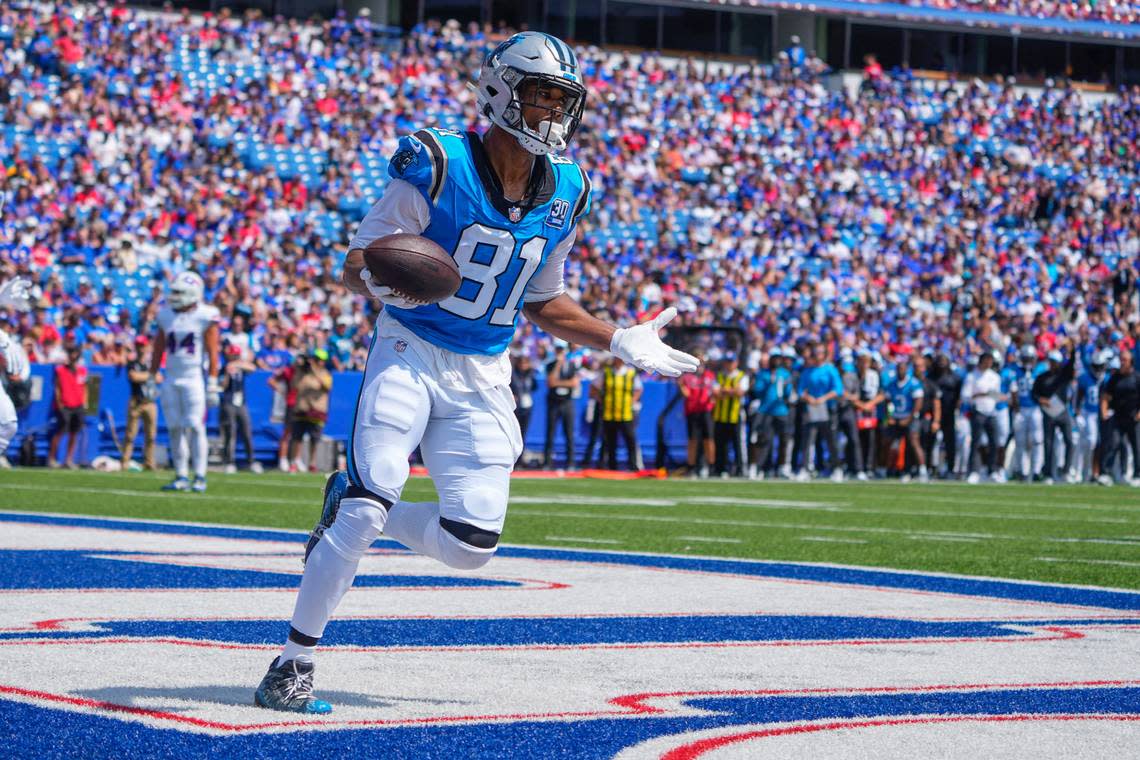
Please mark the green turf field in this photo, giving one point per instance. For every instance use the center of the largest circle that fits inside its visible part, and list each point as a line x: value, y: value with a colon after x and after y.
x: 1070, y: 534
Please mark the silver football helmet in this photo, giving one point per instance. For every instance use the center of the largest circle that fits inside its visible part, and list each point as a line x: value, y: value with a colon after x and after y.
x: 185, y: 291
x: 532, y: 58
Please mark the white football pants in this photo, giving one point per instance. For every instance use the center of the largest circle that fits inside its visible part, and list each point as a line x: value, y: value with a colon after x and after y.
x: 1088, y: 436
x: 1029, y: 441
x: 184, y: 408
x: 469, y: 440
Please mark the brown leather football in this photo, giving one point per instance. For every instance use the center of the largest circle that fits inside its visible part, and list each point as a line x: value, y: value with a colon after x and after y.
x: 414, y: 266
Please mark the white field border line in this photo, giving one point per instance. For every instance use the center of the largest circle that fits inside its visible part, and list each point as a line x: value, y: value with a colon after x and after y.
x: 1034, y: 504
x: 957, y: 539
x: 598, y: 501
x: 584, y: 540
x: 1115, y: 562
x: 187, y: 497
x: 777, y: 525
x: 781, y: 504
x: 710, y: 539
x: 831, y: 540
x: 571, y: 550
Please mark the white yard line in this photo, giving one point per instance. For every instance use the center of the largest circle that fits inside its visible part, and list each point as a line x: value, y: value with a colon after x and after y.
x: 189, y: 498
x: 599, y: 501
x: 742, y: 523
x: 829, y: 540
x: 711, y: 540
x: 1114, y: 541
x: 1035, y: 504
x: 926, y: 537
x: 730, y: 501
x: 1117, y: 562
x: 583, y: 540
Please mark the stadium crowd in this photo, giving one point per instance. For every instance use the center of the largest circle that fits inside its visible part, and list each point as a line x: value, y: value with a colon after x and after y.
x: 1110, y: 11
x: 960, y: 219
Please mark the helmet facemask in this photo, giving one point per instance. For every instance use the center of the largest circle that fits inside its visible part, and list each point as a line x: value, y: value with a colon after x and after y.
x: 511, y: 76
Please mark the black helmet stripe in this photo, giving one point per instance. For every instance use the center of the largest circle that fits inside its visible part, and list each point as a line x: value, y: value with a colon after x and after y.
x: 563, y: 52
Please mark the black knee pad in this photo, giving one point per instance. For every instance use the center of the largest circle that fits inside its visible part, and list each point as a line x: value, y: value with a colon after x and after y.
x: 359, y: 492
x: 469, y: 534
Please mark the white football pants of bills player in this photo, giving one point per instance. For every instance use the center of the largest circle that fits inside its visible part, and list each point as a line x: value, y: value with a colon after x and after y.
x: 184, y: 408
x: 1088, y: 436
x: 1029, y: 441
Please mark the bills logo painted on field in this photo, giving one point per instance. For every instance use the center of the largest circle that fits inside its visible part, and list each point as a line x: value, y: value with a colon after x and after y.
x: 559, y: 210
x: 122, y: 636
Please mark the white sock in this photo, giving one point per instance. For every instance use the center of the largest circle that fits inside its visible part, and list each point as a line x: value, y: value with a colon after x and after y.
x: 295, y: 651
x: 178, y: 451
x: 200, y: 449
x: 331, y: 568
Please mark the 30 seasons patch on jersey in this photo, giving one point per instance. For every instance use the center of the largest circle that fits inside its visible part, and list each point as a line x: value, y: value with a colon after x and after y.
x: 125, y: 636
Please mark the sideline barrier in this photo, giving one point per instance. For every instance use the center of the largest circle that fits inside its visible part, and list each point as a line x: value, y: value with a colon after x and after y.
x: 107, y: 418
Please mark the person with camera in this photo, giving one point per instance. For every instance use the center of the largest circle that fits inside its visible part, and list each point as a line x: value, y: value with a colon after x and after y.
x: 312, y: 384
x: 141, y: 407
x: 563, y: 386
x: 234, y: 412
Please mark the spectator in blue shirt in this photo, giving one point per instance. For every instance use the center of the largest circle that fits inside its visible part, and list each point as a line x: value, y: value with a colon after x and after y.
x: 276, y: 356
x: 773, y: 395
x: 819, y: 387
x: 905, y: 394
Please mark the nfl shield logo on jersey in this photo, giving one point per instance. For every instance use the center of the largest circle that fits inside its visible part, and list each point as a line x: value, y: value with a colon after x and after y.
x: 515, y: 214
x: 401, y: 346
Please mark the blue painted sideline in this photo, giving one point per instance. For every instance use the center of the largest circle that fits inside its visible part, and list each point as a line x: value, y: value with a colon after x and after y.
x: 993, y: 588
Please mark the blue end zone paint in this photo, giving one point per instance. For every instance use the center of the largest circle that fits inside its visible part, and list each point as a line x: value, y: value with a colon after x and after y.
x: 70, y: 569
x: 1117, y: 600
x: 557, y: 631
x: 32, y: 731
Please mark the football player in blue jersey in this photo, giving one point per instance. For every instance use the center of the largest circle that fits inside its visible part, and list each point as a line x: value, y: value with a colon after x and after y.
x: 1089, y: 385
x: 1028, y: 424
x: 437, y: 377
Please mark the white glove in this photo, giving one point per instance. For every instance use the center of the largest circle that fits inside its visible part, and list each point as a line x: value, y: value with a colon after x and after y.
x: 213, y: 392
x: 642, y: 347
x: 14, y: 295
x: 385, y: 294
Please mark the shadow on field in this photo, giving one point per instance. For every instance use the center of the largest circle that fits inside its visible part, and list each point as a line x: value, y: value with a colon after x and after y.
x: 183, y: 699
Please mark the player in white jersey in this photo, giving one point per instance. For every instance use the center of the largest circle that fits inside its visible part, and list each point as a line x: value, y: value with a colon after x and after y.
x: 13, y: 364
x: 188, y: 336
x: 438, y: 375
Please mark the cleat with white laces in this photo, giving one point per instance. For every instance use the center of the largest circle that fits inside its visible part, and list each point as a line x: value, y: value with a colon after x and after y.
x: 973, y: 479
x: 335, y: 487
x: 178, y: 484
x: 199, y: 485
x: 288, y: 687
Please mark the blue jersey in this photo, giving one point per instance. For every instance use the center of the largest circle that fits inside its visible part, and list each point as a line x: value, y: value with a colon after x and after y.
x: 777, y: 391
x: 1022, y: 382
x: 819, y: 381
x: 1089, y: 385
x: 903, y: 394
x: 498, y: 245
x: 1008, y: 382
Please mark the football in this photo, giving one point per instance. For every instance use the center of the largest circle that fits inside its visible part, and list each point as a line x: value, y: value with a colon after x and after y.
x: 414, y: 266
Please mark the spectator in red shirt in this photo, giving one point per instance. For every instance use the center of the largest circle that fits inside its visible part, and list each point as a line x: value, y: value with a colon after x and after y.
x: 281, y: 382
x: 70, y: 402
x: 696, y: 389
